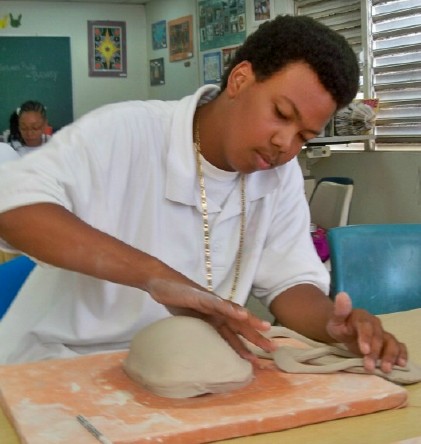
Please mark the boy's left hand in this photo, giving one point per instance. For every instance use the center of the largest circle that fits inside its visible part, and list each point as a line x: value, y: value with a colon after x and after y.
x: 363, y: 334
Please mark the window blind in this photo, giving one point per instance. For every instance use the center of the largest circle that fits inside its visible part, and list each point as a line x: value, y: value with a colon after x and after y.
x: 345, y: 18
x: 389, y: 32
x: 396, y: 49
x: 342, y: 16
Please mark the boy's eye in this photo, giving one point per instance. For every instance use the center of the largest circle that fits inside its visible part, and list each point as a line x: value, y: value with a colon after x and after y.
x: 279, y: 113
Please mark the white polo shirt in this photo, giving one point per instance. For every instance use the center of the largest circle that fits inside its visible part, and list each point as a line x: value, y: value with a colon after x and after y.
x: 129, y: 170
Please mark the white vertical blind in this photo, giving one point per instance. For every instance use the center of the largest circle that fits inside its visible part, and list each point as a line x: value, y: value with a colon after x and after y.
x: 396, y: 49
x: 391, y: 38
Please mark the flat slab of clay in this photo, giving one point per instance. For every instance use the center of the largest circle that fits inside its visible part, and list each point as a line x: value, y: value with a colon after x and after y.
x: 42, y: 400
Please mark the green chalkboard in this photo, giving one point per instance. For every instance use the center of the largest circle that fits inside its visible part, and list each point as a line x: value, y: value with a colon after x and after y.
x: 36, y: 68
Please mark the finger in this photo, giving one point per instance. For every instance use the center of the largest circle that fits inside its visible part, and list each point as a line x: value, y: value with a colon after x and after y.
x: 403, y: 355
x: 215, y: 305
x: 342, y: 308
x: 232, y: 334
x: 393, y: 353
x: 378, y: 345
x: 209, y: 303
x: 181, y: 295
x: 369, y: 344
x: 384, y: 348
x: 251, y: 334
x: 338, y: 326
x: 237, y: 344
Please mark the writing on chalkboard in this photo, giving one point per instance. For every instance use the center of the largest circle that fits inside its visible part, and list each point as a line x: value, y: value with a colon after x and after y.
x: 30, y: 71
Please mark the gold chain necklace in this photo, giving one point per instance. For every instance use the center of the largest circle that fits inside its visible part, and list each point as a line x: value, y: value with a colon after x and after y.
x: 205, y: 218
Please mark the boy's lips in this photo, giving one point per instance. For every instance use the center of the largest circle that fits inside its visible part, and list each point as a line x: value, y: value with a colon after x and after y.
x: 263, y: 163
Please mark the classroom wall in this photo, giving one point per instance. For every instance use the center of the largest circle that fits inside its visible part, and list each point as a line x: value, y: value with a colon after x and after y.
x: 184, y: 77
x: 42, y: 18
x: 70, y: 19
x: 387, y: 185
x: 181, y: 77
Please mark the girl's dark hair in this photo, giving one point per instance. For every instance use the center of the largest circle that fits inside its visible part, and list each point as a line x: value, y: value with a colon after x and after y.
x: 287, y: 39
x: 14, y: 128
x: 30, y: 105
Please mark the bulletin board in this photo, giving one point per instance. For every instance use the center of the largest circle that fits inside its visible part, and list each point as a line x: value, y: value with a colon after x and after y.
x: 36, y: 68
x: 221, y: 23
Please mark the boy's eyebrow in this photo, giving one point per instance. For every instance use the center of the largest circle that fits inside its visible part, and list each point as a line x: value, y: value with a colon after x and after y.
x: 297, y: 114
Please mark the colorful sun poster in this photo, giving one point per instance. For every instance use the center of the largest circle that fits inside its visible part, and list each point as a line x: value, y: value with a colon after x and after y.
x: 107, y: 49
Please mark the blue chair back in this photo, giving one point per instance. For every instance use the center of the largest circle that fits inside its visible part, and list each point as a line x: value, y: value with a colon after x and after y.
x: 13, y: 274
x: 379, y: 266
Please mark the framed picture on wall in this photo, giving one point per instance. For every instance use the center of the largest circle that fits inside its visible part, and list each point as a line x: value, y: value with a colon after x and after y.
x: 212, y: 67
x: 157, y: 71
x: 262, y: 10
x: 228, y: 55
x: 107, y: 49
x: 159, y: 35
x: 181, y: 38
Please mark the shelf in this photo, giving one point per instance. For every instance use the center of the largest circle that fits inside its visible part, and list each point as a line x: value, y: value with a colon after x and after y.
x: 339, y: 139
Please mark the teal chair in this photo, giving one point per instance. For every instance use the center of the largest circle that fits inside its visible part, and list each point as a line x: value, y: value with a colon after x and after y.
x: 13, y: 274
x: 379, y: 266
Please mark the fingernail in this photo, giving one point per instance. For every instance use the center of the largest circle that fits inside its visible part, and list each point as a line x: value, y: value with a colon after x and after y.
x: 365, y: 348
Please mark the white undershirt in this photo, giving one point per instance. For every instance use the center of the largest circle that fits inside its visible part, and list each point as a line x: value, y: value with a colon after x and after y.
x: 218, y: 184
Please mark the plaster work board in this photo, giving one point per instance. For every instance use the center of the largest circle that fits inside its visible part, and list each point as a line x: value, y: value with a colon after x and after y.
x: 43, y: 399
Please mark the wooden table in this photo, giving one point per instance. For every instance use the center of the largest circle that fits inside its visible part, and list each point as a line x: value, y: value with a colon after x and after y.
x: 389, y: 426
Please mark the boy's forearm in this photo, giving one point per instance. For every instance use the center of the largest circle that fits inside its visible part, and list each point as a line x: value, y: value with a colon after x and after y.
x: 53, y: 235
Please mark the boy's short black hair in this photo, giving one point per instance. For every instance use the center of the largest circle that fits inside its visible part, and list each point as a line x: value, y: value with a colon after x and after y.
x: 287, y: 39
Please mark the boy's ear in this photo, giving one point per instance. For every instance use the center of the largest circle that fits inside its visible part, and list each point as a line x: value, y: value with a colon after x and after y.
x: 240, y: 75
